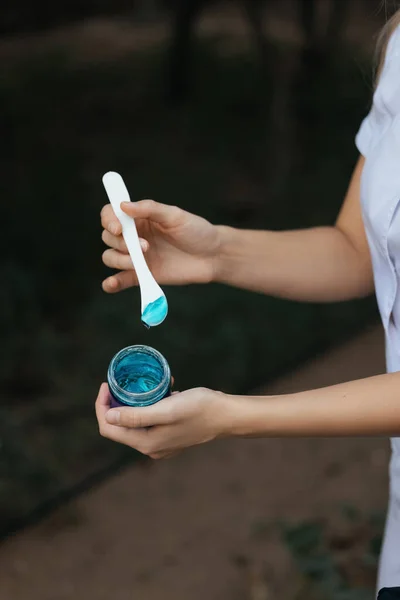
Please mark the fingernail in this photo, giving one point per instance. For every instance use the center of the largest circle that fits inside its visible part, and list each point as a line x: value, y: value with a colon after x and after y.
x: 126, y: 203
x: 113, y: 227
x: 113, y: 417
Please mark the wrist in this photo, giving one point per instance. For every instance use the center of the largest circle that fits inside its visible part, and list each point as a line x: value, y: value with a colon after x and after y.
x: 224, y: 255
x: 228, y: 414
x: 246, y: 416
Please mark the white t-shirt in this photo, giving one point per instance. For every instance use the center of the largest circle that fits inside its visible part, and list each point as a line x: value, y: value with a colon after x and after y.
x: 378, y: 140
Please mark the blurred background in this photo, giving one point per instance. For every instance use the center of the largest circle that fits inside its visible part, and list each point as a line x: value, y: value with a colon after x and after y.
x: 244, y: 112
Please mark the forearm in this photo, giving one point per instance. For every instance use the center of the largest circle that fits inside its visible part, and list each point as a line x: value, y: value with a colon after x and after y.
x: 367, y: 407
x: 312, y: 265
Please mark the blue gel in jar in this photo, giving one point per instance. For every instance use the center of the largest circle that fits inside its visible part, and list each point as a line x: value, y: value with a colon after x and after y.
x: 138, y: 376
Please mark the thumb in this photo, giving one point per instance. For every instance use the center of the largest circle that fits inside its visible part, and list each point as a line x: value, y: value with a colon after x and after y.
x: 137, y: 418
x: 166, y: 215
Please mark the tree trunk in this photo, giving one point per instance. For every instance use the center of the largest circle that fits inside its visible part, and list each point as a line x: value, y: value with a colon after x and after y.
x: 254, y: 11
x: 186, y: 13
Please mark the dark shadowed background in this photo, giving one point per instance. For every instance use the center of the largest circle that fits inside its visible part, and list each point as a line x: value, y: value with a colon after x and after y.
x: 243, y: 112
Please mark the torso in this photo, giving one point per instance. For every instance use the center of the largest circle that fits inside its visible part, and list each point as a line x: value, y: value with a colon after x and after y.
x: 380, y: 200
x: 379, y: 141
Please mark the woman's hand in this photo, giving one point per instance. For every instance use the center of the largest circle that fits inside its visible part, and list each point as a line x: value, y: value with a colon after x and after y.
x: 180, y: 247
x: 163, y: 429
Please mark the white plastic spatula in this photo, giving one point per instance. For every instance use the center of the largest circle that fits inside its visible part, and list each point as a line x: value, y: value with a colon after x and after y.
x: 154, y: 302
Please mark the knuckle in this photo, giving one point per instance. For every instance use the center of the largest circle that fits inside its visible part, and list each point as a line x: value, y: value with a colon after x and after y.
x: 129, y: 419
x: 116, y: 284
x: 121, y: 261
x: 115, y: 260
x: 133, y: 421
x: 201, y: 390
x: 176, y: 213
x: 145, y: 449
x: 105, y: 212
x: 119, y: 244
x: 106, y: 257
x: 149, y: 203
x: 172, y: 414
x: 155, y: 455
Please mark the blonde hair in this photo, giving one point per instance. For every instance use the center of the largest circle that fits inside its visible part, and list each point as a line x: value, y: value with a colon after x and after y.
x: 383, y: 41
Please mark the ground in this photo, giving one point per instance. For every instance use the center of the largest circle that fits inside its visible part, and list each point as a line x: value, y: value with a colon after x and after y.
x: 222, y: 521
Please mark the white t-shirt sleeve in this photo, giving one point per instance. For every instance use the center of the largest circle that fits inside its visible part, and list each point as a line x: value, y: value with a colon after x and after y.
x: 386, y: 100
x: 365, y: 134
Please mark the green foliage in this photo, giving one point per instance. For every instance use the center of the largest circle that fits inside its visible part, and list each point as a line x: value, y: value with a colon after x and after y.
x: 336, y: 560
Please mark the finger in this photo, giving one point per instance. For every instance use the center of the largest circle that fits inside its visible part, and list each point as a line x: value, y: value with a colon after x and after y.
x: 117, y: 260
x: 166, y: 215
x: 120, y: 281
x: 144, y: 244
x: 103, y: 400
x: 134, y: 439
x: 117, y: 242
x: 147, y: 416
x: 109, y: 221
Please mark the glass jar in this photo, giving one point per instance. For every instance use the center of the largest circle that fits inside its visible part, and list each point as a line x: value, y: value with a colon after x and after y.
x: 138, y: 376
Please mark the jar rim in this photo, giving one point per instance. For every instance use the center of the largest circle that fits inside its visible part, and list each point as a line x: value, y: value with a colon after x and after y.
x: 133, y: 397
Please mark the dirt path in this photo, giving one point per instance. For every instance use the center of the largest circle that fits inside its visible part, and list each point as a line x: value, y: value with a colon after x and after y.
x: 203, y: 526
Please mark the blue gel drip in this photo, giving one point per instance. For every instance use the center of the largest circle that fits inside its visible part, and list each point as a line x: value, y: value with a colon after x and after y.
x: 155, y: 312
x: 138, y: 373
